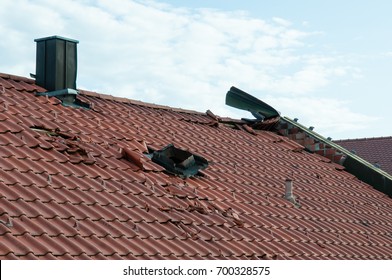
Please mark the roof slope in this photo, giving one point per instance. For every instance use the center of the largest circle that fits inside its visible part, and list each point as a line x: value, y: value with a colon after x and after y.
x: 68, y: 192
x: 376, y: 150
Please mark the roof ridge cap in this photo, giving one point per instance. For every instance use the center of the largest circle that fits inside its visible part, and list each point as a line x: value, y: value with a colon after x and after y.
x: 17, y: 78
x: 137, y: 102
x: 363, y: 139
x: 114, y: 98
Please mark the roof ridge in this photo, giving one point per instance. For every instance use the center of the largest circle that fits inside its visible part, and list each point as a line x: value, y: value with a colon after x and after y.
x: 109, y: 97
x: 17, y: 78
x: 122, y: 212
x: 137, y: 102
x: 363, y: 139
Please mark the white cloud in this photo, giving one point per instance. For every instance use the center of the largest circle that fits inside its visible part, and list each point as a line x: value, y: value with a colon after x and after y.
x: 387, y: 54
x: 180, y: 57
x: 282, y: 21
x: 329, y: 116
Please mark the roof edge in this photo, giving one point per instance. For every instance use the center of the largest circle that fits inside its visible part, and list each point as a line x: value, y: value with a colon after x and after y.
x: 17, y: 78
x: 136, y: 102
x: 108, y: 96
x: 363, y: 139
x: 354, y: 164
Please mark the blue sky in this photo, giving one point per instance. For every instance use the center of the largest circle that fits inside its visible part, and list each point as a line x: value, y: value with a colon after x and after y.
x: 327, y: 63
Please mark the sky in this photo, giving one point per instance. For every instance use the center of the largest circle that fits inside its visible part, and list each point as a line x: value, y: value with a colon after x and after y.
x: 327, y: 63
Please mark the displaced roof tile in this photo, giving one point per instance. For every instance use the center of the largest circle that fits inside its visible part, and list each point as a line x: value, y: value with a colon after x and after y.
x: 67, y: 192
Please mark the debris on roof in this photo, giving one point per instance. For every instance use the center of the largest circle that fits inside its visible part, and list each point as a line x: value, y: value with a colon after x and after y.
x: 56, y: 204
x: 241, y: 100
x: 313, y: 142
x: 343, y: 158
x: 179, y: 162
x: 266, y: 116
x: 77, y: 184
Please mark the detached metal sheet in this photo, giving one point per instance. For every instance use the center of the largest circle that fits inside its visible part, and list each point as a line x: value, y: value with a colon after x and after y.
x: 241, y: 100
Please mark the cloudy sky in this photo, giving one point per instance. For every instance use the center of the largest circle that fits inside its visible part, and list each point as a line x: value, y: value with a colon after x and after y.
x: 327, y: 63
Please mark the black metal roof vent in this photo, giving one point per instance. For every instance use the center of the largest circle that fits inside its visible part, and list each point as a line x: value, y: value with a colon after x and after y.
x: 56, y: 69
x: 56, y: 63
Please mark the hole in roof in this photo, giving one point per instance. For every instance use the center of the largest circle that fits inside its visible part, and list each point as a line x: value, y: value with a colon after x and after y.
x: 53, y: 132
x: 177, y: 161
x: 75, y: 103
x: 68, y: 144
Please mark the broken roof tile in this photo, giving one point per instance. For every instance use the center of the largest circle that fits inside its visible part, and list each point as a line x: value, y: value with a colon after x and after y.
x: 67, y: 192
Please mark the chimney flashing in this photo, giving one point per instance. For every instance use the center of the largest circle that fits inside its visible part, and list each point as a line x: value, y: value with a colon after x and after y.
x: 68, y: 98
x: 61, y: 92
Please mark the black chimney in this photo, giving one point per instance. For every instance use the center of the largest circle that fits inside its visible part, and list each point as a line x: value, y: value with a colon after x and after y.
x: 56, y: 64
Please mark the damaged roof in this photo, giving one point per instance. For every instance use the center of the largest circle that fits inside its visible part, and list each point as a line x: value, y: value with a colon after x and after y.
x: 78, y: 183
x: 377, y: 150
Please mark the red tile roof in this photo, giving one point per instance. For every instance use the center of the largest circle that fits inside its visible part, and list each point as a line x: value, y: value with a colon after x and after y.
x: 67, y: 191
x: 377, y: 151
